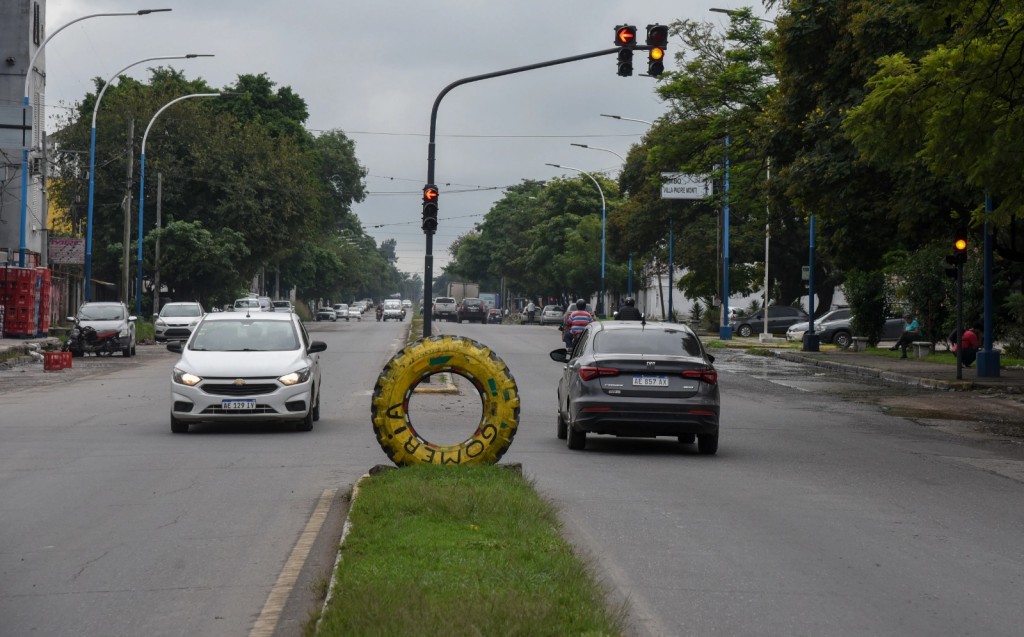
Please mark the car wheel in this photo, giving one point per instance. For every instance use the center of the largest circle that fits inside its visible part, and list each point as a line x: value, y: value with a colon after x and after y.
x: 127, y: 351
x: 561, y: 429
x: 687, y: 439
x: 575, y: 439
x: 306, y: 424
x: 316, y: 407
x: 133, y: 349
x: 842, y: 339
x: 707, y: 444
x: 178, y: 426
x: 745, y: 330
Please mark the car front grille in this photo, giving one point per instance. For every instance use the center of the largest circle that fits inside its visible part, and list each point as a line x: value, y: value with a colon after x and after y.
x: 177, y: 331
x: 231, y: 389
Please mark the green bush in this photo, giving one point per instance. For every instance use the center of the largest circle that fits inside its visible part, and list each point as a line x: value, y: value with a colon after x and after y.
x: 865, y: 292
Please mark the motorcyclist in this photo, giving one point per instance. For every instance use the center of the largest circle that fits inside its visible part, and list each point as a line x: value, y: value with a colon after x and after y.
x: 380, y: 310
x: 628, y: 311
x: 575, y: 322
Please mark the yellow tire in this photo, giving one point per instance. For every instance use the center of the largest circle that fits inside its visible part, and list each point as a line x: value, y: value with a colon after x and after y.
x: 457, y: 355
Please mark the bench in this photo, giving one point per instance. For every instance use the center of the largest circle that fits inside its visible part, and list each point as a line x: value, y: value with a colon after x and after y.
x: 923, y: 348
x: 860, y: 343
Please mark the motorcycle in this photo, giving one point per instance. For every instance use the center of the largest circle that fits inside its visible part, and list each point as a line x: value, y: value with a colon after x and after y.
x: 380, y: 313
x: 83, y: 340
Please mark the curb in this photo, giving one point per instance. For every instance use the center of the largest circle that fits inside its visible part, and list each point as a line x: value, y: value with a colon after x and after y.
x: 870, y: 372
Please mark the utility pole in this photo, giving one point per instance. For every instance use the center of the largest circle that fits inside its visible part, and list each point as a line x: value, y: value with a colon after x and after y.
x: 126, y: 243
x: 156, y: 253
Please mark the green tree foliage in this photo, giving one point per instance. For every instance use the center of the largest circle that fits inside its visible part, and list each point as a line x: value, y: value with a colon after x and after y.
x: 197, y: 263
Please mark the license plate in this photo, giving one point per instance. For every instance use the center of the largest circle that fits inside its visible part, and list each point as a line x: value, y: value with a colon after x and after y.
x: 650, y: 381
x: 238, y: 404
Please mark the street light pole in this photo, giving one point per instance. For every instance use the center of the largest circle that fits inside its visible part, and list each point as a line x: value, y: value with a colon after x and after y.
x: 25, y: 139
x: 628, y: 119
x: 725, y: 330
x: 92, y: 159
x: 600, y: 300
x: 142, y: 187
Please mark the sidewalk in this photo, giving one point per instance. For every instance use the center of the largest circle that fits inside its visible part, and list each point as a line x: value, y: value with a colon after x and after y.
x: 15, y: 351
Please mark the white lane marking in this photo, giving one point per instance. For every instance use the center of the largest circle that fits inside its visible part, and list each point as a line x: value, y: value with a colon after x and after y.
x: 271, y: 613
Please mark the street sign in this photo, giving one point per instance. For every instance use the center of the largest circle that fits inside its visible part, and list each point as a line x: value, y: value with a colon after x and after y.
x: 63, y: 250
x: 805, y: 273
x: 684, y: 186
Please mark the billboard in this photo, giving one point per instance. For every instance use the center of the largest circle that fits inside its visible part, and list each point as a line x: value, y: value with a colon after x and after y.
x: 65, y: 250
x: 684, y: 186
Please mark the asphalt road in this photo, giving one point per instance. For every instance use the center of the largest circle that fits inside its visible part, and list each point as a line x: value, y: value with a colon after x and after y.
x: 820, y: 515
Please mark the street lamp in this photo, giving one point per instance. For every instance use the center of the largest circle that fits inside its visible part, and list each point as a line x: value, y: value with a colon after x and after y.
x: 735, y: 12
x: 142, y: 186
x: 24, y: 118
x: 92, y: 159
x: 628, y: 119
x: 600, y: 300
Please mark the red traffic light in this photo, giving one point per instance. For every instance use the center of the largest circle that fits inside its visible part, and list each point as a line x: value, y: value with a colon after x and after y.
x: 625, y: 35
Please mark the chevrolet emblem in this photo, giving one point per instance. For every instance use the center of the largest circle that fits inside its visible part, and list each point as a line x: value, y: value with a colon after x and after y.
x: 239, y: 382
x: 650, y: 363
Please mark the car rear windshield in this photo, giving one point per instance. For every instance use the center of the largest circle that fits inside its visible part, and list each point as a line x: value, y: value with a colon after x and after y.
x: 472, y: 302
x: 245, y: 335
x: 444, y: 299
x: 647, y: 341
x: 180, y: 310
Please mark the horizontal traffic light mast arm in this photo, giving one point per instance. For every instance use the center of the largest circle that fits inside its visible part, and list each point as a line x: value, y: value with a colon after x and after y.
x: 512, y: 71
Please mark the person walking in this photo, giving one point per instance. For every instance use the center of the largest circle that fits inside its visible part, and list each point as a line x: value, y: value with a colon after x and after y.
x: 628, y: 311
x: 531, y: 309
x: 911, y: 332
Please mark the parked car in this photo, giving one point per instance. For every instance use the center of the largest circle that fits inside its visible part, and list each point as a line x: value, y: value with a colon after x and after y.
x: 393, y: 310
x: 104, y: 316
x: 341, y: 311
x: 326, y: 314
x: 780, y: 317
x: 177, y: 320
x: 639, y: 380
x: 240, y: 368
x: 796, y: 330
x: 552, y: 315
x: 445, y: 308
x: 472, y: 310
x: 839, y: 333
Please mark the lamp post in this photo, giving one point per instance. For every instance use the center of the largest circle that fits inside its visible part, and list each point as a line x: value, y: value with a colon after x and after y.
x: 600, y: 300
x: 24, y: 118
x: 628, y: 119
x: 725, y: 330
x: 734, y: 12
x: 92, y: 159
x: 142, y: 186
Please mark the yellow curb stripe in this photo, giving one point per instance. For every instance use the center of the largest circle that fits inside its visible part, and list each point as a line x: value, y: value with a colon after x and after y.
x: 272, y: 608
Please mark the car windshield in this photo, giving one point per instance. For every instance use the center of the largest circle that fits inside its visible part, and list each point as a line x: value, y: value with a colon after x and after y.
x: 101, y: 313
x: 393, y: 304
x: 647, y: 341
x: 245, y: 335
x: 181, y: 310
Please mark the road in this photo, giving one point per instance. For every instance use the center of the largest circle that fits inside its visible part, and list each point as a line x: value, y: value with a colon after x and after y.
x: 820, y: 515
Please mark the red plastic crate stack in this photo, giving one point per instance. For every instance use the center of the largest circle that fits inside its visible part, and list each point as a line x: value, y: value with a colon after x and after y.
x: 19, y: 294
x: 43, y: 314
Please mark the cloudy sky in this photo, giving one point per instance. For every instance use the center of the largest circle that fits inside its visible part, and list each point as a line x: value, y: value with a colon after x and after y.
x: 373, y: 69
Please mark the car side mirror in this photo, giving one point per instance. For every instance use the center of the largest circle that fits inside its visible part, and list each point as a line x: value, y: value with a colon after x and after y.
x: 316, y: 346
x: 133, y: 318
x: 560, y: 355
x: 711, y: 357
x: 174, y: 346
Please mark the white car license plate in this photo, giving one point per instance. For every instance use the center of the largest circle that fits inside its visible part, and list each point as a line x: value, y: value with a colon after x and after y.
x: 238, y: 404
x: 650, y: 381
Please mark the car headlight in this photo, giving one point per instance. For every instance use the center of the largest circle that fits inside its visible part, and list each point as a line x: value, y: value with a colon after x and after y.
x: 159, y: 322
x: 124, y: 331
x: 186, y: 378
x: 296, y: 377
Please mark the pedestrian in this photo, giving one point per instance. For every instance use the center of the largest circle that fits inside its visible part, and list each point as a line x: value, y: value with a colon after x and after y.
x: 969, y: 344
x: 628, y: 311
x: 530, y: 310
x: 911, y: 332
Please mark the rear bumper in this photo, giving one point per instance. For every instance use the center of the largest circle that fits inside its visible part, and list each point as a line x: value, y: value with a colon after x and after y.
x: 645, y: 418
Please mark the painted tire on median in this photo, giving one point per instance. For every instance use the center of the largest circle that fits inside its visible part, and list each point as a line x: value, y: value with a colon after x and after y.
x: 457, y: 355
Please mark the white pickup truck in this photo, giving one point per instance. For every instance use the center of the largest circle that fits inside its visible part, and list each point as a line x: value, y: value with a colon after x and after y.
x: 445, y: 308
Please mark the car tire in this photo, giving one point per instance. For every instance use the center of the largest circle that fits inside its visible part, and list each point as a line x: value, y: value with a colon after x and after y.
x: 306, y: 424
x: 842, y: 339
x: 316, y: 407
x: 575, y: 439
x: 707, y: 444
x: 561, y: 429
x: 133, y: 349
x: 178, y: 426
x: 687, y: 439
x: 745, y: 331
x: 126, y: 352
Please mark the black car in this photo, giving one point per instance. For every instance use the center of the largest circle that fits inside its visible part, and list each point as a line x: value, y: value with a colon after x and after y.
x: 640, y: 380
x: 780, y: 317
x: 839, y: 333
x: 473, y: 310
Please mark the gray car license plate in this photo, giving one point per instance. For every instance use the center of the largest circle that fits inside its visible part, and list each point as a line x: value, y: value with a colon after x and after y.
x: 650, y: 381
x: 238, y: 404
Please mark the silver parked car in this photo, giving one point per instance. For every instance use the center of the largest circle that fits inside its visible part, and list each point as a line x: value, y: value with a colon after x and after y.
x: 177, y: 320
x: 638, y: 379
x: 106, y: 316
x: 552, y: 315
x: 242, y: 368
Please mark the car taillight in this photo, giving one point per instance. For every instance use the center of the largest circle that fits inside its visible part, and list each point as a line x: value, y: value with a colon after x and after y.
x: 590, y: 373
x: 708, y: 376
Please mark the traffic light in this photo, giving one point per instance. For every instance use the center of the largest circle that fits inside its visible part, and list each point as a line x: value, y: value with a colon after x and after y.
x: 960, y: 245
x: 625, y: 36
x: 430, y: 196
x: 657, y: 39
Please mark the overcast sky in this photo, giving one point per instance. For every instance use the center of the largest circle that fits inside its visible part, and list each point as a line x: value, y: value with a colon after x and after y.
x: 373, y: 68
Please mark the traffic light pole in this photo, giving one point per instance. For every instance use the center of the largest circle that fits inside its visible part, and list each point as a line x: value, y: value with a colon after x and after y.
x: 428, y: 259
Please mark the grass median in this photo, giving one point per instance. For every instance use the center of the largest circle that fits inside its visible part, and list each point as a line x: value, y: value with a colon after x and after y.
x: 468, y: 550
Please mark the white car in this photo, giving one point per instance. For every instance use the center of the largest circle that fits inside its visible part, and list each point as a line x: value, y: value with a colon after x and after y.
x: 393, y: 310
x: 355, y: 313
x: 177, y: 320
x: 103, y: 316
x: 326, y: 314
x: 341, y: 311
x: 237, y: 368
